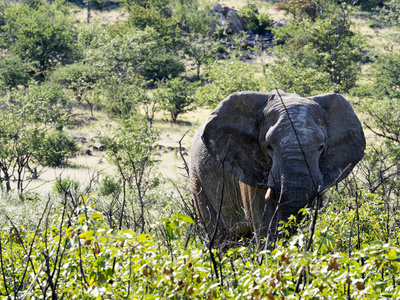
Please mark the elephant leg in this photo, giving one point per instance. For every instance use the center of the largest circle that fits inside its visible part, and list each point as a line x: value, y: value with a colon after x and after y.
x: 208, y: 214
x: 259, y: 212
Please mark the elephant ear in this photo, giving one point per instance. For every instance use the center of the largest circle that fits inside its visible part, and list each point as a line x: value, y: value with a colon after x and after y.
x: 231, y: 135
x: 345, y: 138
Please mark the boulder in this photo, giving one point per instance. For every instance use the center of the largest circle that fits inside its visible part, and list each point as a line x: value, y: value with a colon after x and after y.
x: 226, y: 17
x: 234, y: 23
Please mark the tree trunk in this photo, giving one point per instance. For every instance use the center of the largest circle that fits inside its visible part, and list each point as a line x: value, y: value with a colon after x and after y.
x: 89, y: 8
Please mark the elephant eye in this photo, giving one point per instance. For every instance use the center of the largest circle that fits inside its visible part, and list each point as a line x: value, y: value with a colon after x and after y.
x: 269, y: 148
x: 321, y: 148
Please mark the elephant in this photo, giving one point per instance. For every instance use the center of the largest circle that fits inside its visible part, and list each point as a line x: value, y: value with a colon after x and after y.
x: 261, y: 157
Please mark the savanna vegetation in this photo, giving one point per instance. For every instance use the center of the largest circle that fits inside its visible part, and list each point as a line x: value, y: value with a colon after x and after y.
x: 122, y: 84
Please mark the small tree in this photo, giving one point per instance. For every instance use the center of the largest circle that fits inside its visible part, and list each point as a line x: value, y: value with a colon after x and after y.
x: 176, y: 96
x: 335, y: 48
x: 77, y: 77
x: 131, y: 149
x: 199, y: 49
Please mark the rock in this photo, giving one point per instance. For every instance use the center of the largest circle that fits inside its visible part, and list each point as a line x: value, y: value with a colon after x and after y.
x: 216, y: 8
x: 250, y: 42
x: 80, y: 139
x: 98, y: 147
x: 234, y: 22
x: 87, y: 151
x: 227, y: 18
x: 366, y: 60
x: 280, y: 23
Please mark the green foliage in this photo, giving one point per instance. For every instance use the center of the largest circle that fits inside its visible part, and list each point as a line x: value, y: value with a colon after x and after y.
x: 121, y: 99
x: 110, y: 186
x: 199, y: 49
x: 14, y: 72
x: 291, y: 76
x: 78, y: 77
x: 192, y: 18
x: 334, y: 48
x: 162, y: 66
x: 126, y: 55
x: 253, y: 20
x: 130, y: 148
x: 64, y: 186
x: 387, y: 76
x: 44, y: 35
x: 55, y: 148
x: 99, y: 261
x: 389, y: 12
x: 93, y: 34
x: 28, y: 116
x: 176, y: 96
x: 142, y: 18
x: 227, y: 77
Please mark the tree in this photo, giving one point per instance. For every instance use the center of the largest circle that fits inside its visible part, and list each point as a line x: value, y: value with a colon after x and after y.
x: 77, y: 77
x: 44, y: 35
x: 199, y: 49
x: 335, y: 48
x: 176, y: 96
x: 131, y: 149
x: 28, y: 119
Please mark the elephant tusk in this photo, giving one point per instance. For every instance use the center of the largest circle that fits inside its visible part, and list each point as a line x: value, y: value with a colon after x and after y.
x: 269, y: 194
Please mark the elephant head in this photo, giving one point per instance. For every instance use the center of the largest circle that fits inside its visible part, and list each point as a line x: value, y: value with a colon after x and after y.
x: 280, y: 144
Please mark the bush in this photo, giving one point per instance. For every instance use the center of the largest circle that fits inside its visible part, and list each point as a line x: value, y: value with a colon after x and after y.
x: 226, y: 77
x: 387, y: 76
x: 78, y: 77
x: 110, y: 186
x: 176, y: 96
x: 162, y: 66
x: 63, y: 186
x: 55, y: 149
x: 253, y: 20
x: 305, y: 81
x: 301, y: 9
x: 333, y: 48
x: 14, y: 71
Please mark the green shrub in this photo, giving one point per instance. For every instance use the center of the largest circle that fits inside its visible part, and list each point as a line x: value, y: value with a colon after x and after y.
x: 43, y: 35
x: 55, y: 149
x: 110, y: 186
x: 176, y: 96
x: 387, y: 76
x: 63, y: 186
x: 14, y: 71
x: 222, y: 49
x: 226, y: 77
x: 253, y: 20
x: 157, y: 67
x: 305, y: 81
x: 78, y: 77
x: 332, y: 48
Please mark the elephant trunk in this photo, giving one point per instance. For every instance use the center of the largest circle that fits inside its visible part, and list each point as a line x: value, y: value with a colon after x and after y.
x: 297, y: 190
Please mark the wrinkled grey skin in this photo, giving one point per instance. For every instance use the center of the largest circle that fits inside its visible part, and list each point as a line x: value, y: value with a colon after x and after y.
x: 248, y: 145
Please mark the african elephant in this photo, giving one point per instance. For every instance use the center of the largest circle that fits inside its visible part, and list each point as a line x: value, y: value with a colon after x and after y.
x: 267, y: 155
